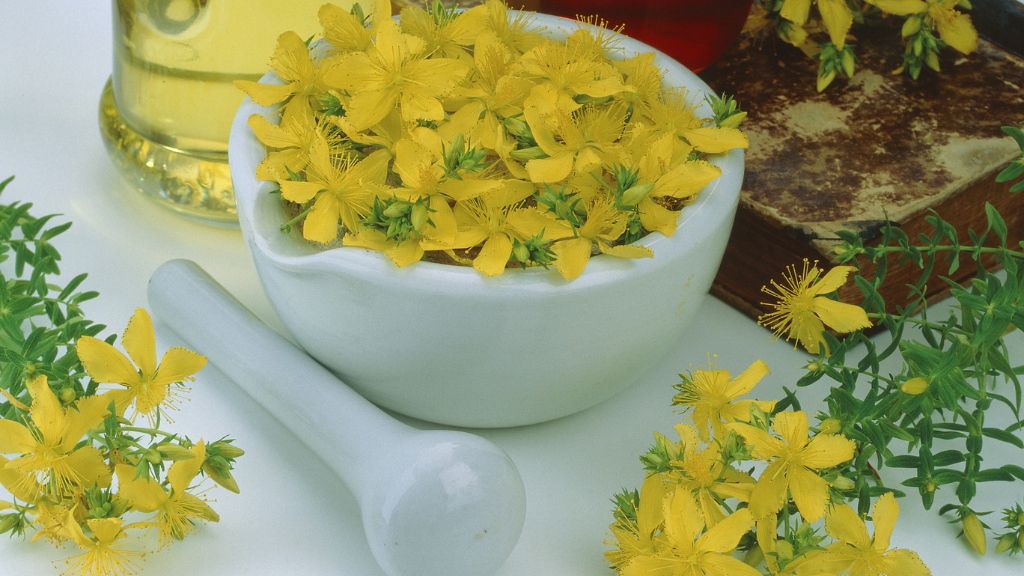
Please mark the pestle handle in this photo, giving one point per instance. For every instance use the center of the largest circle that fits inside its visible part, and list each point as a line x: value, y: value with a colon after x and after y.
x: 338, y: 424
x: 434, y: 503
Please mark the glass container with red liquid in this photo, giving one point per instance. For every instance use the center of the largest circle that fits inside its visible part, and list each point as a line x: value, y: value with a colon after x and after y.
x: 694, y: 32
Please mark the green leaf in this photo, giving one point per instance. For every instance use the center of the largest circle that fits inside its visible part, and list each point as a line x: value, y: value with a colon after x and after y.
x: 1004, y: 436
x: 996, y: 222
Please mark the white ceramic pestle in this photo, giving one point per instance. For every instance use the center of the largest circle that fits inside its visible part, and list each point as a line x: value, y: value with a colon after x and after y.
x: 434, y: 503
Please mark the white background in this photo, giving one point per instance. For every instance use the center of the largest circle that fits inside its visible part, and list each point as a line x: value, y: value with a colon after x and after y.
x: 293, y: 516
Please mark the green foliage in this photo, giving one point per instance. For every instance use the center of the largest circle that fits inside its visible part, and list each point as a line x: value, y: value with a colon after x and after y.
x: 938, y: 428
x: 40, y: 317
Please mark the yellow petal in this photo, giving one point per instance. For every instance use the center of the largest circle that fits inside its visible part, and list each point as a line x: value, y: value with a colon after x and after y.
x: 22, y: 486
x: 808, y: 330
x: 15, y: 438
x: 442, y: 228
x: 342, y: 29
x: 89, y: 466
x: 178, y: 365
x: 549, y: 170
x: 406, y: 253
x: 724, y: 536
x: 88, y: 414
x: 74, y: 532
x: 626, y: 251
x: 291, y: 59
x: 906, y: 563
x: 275, y: 166
x: 106, y: 530
x: 837, y: 18
x: 493, y: 255
x: 198, y: 508
x: 469, y: 188
x: 686, y: 179
x: 531, y: 222
x: 769, y: 493
x: 796, y: 10
x: 571, y: 256
x: 747, y: 379
x: 713, y: 140
x: 955, y: 28
x: 104, y: 363
x: 266, y: 94
x: 298, y: 191
x: 367, y: 238
x: 761, y: 443
x: 884, y: 515
x: 657, y: 218
x: 723, y: 565
x: 900, y: 7
x: 843, y: 524
x: 832, y: 280
x: 368, y: 108
x: 416, y: 107
x: 434, y: 77
x: 810, y: 493
x: 652, y: 504
x: 182, y: 472
x: 47, y: 412
x: 321, y: 225
x: 792, y: 426
x: 827, y: 450
x: 143, y: 494
x: 271, y: 134
x: 140, y: 342
x: 683, y: 520
x: 839, y: 316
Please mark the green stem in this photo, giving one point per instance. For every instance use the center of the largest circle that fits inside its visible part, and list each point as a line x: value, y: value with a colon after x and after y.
x: 937, y: 249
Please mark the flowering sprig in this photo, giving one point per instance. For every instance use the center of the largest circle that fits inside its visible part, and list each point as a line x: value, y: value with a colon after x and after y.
x: 469, y: 137
x: 78, y: 467
x: 929, y: 26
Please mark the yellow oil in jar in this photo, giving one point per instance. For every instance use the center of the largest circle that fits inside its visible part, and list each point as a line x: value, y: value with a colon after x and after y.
x: 166, y: 112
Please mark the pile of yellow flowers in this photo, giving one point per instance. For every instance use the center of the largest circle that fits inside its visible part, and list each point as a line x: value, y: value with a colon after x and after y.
x: 928, y: 27
x: 83, y: 471
x: 742, y: 479
x: 469, y: 137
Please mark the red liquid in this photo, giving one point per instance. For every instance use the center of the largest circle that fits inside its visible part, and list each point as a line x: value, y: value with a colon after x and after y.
x: 695, y: 32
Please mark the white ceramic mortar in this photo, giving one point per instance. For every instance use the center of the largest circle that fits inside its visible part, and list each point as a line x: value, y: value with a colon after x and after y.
x: 445, y: 344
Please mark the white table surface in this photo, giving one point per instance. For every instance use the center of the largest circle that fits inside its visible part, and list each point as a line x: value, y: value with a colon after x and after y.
x: 293, y: 516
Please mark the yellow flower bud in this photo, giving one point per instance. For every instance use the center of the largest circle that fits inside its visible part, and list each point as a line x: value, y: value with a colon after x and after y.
x: 825, y: 79
x: 153, y: 456
x: 175, y: 452
x: 734, y: 121
x: 1006, y: 542
x: 634, y: 195
x: 8, y: 522
x: 830, y: 426
x: 911, y: 26
x: 67, y: 395
x: 848, y: 63
x: 1020, y: 539
x: 843, y: 484
x: 418, y: 217
x: 915, y: 386
x: 931, y: 59
x: 396, y: 210
x: 974, y: 533
x: 784, y: 550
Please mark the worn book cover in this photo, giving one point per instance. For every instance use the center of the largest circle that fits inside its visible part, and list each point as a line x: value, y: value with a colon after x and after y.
x: 882, y: 147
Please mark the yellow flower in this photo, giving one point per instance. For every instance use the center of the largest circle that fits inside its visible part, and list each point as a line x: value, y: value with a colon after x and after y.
x: 394, y: 71
x: 661, y: 177
x: 603, y: 225
x: 99, y: 555
x: 495, y: 226
x: 148, y: 383
x: 575, y: 142
x: 176, y: 511
x: 692, y: 550
x: 513, y: 32
x: 447, y: 33
x: 343, y: 189
x: 835, y: 14
x: 854, y: 552
x: 802, y: 310
x: 345, y: 32
x: 793, y: 462
x: 671, y: 114
x: 703, y: 473
x: 639, y: 539
x: 713, y: 398
x: 289, y: 142
x: 49, y: 464
x: 294, y: 66
x: 955, y: 27
x: 568, y: 72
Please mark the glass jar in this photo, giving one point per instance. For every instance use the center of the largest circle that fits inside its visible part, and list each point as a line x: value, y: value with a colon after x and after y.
x: 166, y: 111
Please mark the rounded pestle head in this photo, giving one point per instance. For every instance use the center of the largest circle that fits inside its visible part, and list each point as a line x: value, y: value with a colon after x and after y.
x: 447, y: 504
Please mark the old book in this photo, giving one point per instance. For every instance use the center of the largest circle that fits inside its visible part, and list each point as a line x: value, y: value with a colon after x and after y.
x: 883, y: 147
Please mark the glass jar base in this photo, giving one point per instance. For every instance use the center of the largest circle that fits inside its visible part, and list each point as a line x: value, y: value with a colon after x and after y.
x: 195, y: 186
